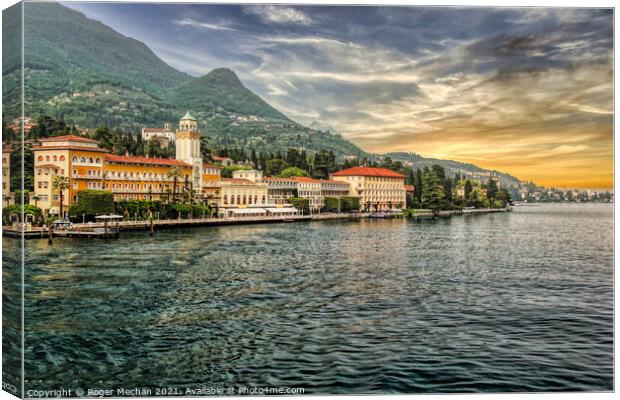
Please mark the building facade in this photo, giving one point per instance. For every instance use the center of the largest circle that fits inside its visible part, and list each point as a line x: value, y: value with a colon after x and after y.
x: 211, y: 183
x: 241, y: 193
x: 377, y: 188
x: 315, y: 190
x: 164, y: 136
x: 88, y: 166
x: 6, y: 177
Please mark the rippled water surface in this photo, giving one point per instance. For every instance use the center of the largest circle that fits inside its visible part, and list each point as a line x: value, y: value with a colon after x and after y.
x: 518, y: 301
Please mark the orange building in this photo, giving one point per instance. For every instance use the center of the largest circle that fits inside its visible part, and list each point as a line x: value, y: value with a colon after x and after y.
x: 211, y: 182
x: 88, y: 166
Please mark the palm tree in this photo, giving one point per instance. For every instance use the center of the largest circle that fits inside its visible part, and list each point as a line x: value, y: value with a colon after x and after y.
x: 175, y: 173
x: 60, y: 183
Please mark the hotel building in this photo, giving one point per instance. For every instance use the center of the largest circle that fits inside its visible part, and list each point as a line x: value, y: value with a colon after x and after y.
x: 377, y: 188
x: 88, y: 166
x: 238, y: 194
x: 315, y: 190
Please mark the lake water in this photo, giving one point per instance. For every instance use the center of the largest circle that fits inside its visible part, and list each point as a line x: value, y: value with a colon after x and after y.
x: 518, y: 301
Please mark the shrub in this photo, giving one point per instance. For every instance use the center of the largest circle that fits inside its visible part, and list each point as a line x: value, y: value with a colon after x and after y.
x: 91, y: 203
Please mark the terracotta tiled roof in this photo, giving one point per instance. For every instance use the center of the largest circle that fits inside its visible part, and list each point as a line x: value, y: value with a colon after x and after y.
x: 145, y: 160
x: 70, y: 147
x: 368, y: 171
x: 218, y: 158
x: 409, y: 188
x: 207, y: 165
x: 67, y: 138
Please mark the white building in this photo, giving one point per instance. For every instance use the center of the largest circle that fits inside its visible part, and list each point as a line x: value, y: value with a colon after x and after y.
x: 377, y: 188
x: 163, y: 135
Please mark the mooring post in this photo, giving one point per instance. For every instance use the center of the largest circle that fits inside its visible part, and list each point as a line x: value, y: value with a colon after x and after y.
x: 105, y: 229
x: 49, y: 233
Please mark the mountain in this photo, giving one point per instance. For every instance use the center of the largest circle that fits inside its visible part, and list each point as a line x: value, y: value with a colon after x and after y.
x: 84, y: 72
x: 453, y: 167
x: 221, y: 90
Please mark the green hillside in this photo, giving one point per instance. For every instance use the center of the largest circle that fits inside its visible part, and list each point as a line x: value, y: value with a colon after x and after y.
x: 85, y: 73
x: 452, y: 167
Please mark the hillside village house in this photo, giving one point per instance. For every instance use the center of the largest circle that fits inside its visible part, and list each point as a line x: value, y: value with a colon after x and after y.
x: 164, y: 136
x: 377, y: 188
x: 6, y: 176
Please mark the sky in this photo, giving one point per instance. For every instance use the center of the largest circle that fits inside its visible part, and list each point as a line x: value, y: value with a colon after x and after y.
x: 528, y: 91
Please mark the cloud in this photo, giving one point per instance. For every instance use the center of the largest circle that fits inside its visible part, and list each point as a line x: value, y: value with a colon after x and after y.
x: 279, y: 14
x: 203, y: 25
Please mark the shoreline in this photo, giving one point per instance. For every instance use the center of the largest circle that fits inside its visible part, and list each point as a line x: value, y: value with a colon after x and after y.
x: 129, y: 226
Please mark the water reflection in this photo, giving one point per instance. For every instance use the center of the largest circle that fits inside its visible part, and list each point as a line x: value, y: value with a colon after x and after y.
x: 500, y: 302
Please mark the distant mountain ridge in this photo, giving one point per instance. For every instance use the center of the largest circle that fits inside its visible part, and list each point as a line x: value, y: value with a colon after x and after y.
x: 84, y: 72
x: 452, y: 167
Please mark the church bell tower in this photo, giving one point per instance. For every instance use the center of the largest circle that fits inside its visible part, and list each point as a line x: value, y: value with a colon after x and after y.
x: 188, y: 148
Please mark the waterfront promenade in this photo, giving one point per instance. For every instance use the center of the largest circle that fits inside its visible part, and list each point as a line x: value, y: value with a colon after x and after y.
x: 94, y: 230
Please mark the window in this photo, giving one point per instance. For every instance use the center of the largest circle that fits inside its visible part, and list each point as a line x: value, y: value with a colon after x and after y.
x: 3, y: 160
x: 90, y: 160
x: 62, y: 171
x: 244, y: 200
x: 225, y: 199
x: 55, y: 158
x: 75, y: 198
x: 98, y: 160
x: 47, y: 158
x: 238, y: 199
x: 40, y: 158
x: 74, y: 159
x: 82, y: 159
x: 62, y: 158
x: 75, y: 185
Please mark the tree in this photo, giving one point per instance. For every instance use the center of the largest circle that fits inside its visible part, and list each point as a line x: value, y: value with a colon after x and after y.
x: 175, y: 173
x: 293, y: 171
x: 432, y: 192
x: 93, y: 202
x: 300, y: 203
x: 275, y: 167
x: 60, y: 183
x: 491, y: 189
x: 418, y: 185
x: 467, y: 189
x: 503, y: 197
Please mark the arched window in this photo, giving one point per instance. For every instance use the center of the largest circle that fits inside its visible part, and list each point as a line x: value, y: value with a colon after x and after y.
x: 90, y: 160
x: 225, y: 199
x: 263, y: 201
x: 62, y: 158
x: 244, y: 200
x: 250, y: 199
x: 55, y: 158
x: 232, y: 199
x: 3, y: 160
x: 98, y: 160
x: 82, y: 159
x: 47, y: 158
x: 255, y: 199
x: 40, y: 158
x: 75, y: 197
x: 74, y: 159
x: 238, y: 199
